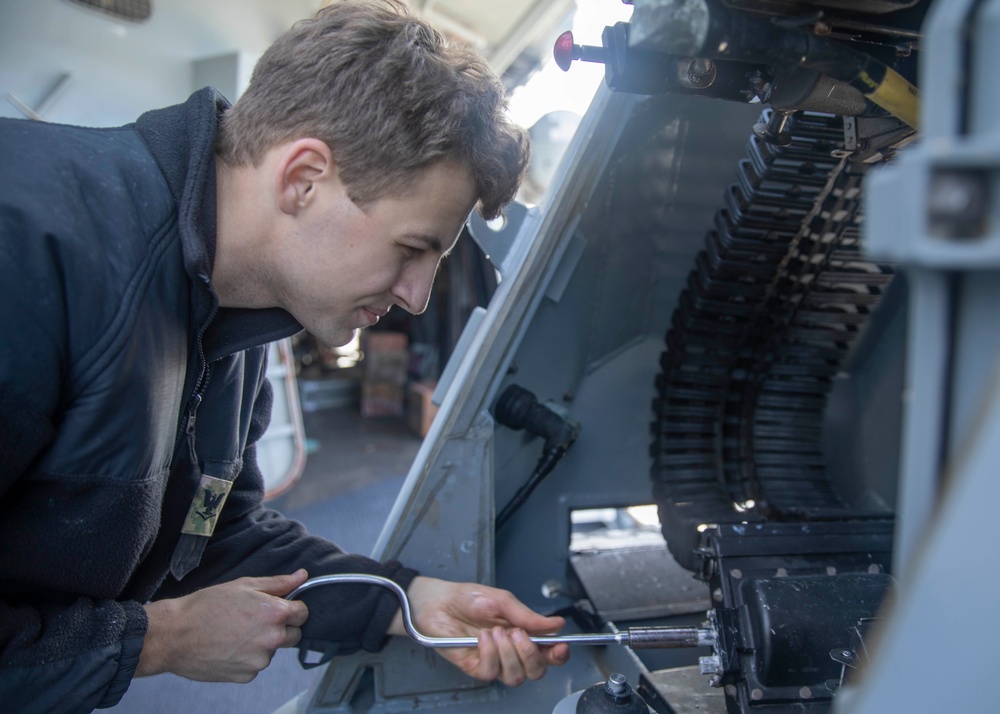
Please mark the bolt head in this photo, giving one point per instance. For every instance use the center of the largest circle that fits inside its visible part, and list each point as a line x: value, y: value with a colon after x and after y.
x: 710, y: 665
x: 616, y: 684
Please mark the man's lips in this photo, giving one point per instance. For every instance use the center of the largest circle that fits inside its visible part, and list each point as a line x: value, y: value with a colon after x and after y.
x: 373, y: 314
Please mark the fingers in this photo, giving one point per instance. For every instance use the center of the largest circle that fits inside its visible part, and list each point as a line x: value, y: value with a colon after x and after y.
x: 298, y: 613
x: 503, y: 608
x: 488, y: 668
x: 512, y: 669
x: 516, y: 614
x: 224, y: 633
x: 291, y: 613
x: 518, y: 658
x: 505, y: 651
x: 556, y: 655
x: 510, y: 657
x: 280, y: 585
x: 292, y: 636
x: 272, y: 610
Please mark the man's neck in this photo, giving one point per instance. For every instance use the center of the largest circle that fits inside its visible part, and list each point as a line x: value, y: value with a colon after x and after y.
x: 239, y: 273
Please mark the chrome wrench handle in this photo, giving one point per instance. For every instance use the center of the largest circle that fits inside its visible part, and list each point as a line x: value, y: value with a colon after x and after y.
x: 404, y: 603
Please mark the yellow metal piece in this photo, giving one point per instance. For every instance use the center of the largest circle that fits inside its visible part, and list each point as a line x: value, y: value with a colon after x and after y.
x: 895, y: 95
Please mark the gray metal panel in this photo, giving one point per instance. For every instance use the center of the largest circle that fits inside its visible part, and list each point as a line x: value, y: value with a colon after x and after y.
x: 608, y: 466
x: 931, y: 260
x: 686, y: 690
x: 949, y: 486
x: 638, y: 583
x: 936, y: 652
x: 596, y: 352
x: 861, y: 430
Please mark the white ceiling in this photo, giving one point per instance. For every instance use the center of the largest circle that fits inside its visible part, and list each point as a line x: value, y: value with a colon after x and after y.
x: 80, y: 66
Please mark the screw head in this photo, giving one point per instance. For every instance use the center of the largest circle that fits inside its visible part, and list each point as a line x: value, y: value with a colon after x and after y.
x: 696, y: 73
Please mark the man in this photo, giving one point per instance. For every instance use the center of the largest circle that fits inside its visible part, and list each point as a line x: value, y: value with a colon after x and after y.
x: 143, y: 270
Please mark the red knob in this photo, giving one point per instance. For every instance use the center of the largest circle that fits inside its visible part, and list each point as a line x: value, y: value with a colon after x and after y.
x: 562, y: 51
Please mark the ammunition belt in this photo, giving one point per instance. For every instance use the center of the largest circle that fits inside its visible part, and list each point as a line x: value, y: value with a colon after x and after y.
x: 777, y: 297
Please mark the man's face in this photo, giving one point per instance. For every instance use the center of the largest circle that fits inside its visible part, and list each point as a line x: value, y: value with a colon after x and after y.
x: 343, y: 267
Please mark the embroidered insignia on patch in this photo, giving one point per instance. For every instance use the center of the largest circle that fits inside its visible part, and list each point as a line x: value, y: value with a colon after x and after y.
x: 206, y: 505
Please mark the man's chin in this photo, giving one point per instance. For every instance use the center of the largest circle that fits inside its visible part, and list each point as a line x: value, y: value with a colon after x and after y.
x: 337, y: 338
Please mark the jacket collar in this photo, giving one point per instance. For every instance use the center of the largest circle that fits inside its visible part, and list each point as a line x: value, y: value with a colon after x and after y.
x: 181, y: 139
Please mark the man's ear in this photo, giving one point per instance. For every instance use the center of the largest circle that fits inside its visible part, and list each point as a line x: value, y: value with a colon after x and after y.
x: 302, y: 165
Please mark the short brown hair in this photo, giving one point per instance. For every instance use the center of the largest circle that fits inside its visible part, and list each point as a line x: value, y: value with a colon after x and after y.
x: 388, y: 94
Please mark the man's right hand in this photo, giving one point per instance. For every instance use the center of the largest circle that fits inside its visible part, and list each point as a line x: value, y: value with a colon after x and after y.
x: 224, y: 633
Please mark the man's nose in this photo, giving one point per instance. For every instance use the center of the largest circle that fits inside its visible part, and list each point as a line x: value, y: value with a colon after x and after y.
x: 413, y: 289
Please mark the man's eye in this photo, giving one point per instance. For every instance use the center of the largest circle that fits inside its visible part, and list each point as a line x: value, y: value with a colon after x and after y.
x: 412, y: 251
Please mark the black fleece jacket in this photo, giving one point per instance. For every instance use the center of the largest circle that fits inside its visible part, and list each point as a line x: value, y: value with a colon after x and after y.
x: 122, y: 383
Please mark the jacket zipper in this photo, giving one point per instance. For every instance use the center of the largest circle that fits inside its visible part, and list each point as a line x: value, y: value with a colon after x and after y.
x: 199, y: 388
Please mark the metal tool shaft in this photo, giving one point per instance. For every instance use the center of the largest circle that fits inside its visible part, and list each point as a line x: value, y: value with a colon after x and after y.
x: 634, y: 637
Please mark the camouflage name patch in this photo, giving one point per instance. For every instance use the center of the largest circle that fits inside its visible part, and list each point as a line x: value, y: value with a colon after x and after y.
x: 206, y: 506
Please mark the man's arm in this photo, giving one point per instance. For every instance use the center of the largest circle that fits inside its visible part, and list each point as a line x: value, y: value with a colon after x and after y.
x: 55, y: 654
